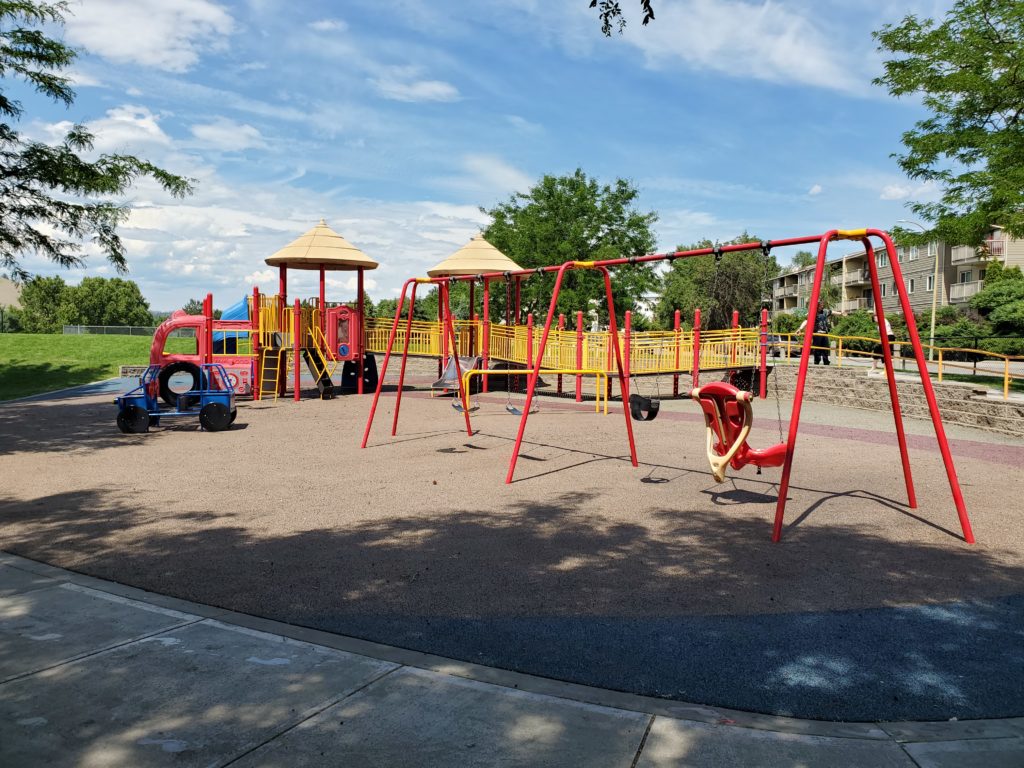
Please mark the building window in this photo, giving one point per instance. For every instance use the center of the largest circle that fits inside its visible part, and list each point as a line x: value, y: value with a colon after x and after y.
x: 913, y: 253
x: 910, y: 285
x: 931, y: 283
x: 981, y: 274
x: 966, y: 277
x: 899, y: 254
x: 883, y: 290
x: 882, y: 260
x: 895, y: 288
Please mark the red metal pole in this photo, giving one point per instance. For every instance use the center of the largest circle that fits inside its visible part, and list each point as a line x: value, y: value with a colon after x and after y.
x: 387, y: 359
x: 535, y: 371
x: 579, y: 356
x: 735, y: 336
x: 444, y: 335
x: 255, y: 318
x: 323, y: 299
x: 296, y: 343
x: 282, y: 285
x: 519, y: 299
x: 623, y: 377
x: 763, y: 389
x: 463, y: 395
x: 801, y: 379
x: 676, y: 326
x: 890, y: 371
x: 926, y: 383
x: 529, y: 340
x: 405, y: 357
x: 561, y: 327
x: 360, y: 341
x: 696, y: 348
x: 627, y: 327
x: 486, y: 341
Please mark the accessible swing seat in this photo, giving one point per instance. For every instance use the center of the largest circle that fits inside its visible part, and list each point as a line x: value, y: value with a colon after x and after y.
x: 728, y: 416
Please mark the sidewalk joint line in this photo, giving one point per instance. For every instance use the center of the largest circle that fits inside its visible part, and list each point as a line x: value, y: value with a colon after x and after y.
x: 643, y: 742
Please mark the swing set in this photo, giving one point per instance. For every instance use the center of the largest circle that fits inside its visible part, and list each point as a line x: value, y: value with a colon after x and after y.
x: 727, y: 410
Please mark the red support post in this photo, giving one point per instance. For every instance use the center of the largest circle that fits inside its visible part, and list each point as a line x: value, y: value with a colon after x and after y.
x: 579, y: 356
x: 387, y: 359
x: 255, y: 318
x: 323, y: 299
x: 405, y: 358
x: 450, y: 325
x: 361, y: 331
x: 613, y: 332
x: 529, y: 340
x: 676, y: 326
x: 296, y: 344
x: 926, y: 381
x: 444, y: 335
x: 696, y: 348
x: 519, y: 299
x: 561, y: 327
x: 486, y: 331
x: 627, y: 327
x: 735, y: 336
x: 763, y: 388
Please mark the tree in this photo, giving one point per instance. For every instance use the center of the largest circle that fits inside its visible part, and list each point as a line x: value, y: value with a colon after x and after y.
x: 52, y: 197
x: 1001, y: 303
x: 102, y: 301
x: 804, y: 259
x: 969, y: 70
x: 193, y: 307
x: 42, y: 300
x: 739, y: 280
x: 610, y: 13
x: 573, y: 218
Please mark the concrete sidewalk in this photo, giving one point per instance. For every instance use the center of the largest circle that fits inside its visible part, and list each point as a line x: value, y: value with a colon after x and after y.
x: 93, y: 673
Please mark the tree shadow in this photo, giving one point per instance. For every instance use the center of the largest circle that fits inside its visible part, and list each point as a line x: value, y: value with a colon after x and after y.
x: 692, y: 604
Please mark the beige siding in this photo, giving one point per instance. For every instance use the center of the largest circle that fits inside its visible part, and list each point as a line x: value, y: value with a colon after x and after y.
x: 8, y: 293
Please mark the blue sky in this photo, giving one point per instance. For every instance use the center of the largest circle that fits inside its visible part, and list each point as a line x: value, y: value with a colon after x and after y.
x: 396, y: 119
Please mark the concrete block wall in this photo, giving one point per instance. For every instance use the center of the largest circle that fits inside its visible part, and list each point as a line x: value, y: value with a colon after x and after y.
x: 857, y: 387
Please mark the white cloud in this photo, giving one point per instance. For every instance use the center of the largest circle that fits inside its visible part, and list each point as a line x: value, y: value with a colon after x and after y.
x: 125, y: 128
x: 487, y: 177
x: 328, y: 25
x: 228, y: 135
x: 153, y: 33
x: 524, y: 125
x: 402, y: 84
x: 815, y: 190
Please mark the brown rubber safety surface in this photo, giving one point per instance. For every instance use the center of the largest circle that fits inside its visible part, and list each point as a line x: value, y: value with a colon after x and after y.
x: 652, y: 579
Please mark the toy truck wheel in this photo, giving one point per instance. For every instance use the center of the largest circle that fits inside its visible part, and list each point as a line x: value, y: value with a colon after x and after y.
x: 215, y: 417
x: 133, y: 420
x: 169, y: 393
x: 234, y: 413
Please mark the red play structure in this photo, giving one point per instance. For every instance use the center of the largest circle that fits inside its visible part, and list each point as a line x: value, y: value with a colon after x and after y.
x: 727, y: 411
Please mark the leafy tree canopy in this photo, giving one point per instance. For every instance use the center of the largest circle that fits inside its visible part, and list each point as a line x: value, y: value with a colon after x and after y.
x: 1001, y: 301
x: 968, y: 70
x: 737, y: 280
x: 573, y: 218
x: 52, y: 197
x: 610, y: 13
x: 48, y: 304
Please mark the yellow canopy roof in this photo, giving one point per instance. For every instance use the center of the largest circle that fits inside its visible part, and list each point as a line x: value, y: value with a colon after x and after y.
x: 321, y: 247
x: 476, y: 257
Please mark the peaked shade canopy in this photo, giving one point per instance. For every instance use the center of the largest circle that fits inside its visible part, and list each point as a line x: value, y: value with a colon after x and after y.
x: 476, y: 257
x: 321, y: 248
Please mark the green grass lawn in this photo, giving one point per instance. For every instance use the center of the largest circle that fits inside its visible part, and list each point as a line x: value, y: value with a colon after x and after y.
x: 31, y: 363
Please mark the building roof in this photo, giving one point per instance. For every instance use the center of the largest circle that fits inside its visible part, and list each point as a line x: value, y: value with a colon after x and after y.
x: 321, y: 248
x: 475, y: 258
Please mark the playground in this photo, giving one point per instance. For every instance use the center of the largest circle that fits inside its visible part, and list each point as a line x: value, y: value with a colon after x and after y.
x: 652, y: 579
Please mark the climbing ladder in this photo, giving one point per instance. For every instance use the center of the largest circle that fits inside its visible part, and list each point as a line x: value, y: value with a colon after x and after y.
x: 270, y: 371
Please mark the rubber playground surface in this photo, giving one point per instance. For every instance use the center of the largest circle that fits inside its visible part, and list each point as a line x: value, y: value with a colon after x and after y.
x: 653, y: 580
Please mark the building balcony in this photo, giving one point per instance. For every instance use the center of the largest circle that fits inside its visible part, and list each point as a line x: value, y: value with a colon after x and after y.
x: 789, y: 290
x: 860, y: 277
x: 851, y: 305
x: 959, y: 292
x: 967, y: 254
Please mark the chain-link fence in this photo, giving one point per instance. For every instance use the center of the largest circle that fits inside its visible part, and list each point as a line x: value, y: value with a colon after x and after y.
x: 111, y: 330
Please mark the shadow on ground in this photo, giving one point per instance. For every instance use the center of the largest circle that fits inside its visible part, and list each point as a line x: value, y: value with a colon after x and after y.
x: 553, y: 590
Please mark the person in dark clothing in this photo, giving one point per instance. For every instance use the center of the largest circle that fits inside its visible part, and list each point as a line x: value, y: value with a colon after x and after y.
x: 820, y: 340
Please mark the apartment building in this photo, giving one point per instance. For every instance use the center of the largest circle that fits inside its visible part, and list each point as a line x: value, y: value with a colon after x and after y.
x: 961, y: 274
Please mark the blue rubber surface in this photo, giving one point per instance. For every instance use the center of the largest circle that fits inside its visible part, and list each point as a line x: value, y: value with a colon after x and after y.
x: 963, y: 660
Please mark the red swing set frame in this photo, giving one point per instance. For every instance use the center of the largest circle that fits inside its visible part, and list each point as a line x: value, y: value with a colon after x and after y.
x: 771, y: 455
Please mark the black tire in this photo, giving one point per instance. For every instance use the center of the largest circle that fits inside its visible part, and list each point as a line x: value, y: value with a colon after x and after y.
x: 215, y: 417
x: 133, y: 420
x: 169, y: 395
x: 234, y: 413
